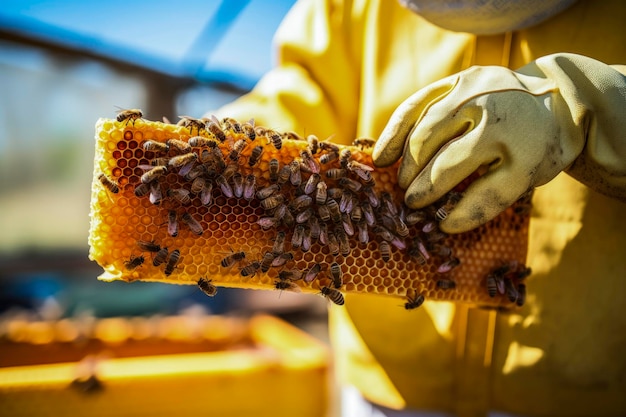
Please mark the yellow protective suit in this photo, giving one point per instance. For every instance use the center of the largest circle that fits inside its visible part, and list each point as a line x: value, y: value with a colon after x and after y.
x: 343, y: 69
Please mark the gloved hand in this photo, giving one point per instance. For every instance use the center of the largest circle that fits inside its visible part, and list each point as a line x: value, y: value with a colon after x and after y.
x: 560, y: 112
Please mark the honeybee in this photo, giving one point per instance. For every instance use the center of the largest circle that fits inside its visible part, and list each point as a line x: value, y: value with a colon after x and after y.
x: 282, y: 259
x: 279, y: 243
x: 268, y: 222
x: 297, y: 236
x: 108, y: 183
x: 311, y: 183
x: 521, y: 295
x: 363, y: 234
x: 180, y: 145
x: 356, y: 214
x: 232, y: 125
x: 206, y: 194
x: 231, y: 259
x: 511, y: 291
x: 523, y: 273
x: 249, y: 187
x: 273, y: 168
x: 344, y: 157
x: 336, y: 173
x: 441, y: 250
x: 336, y: 275
x: 418, y: 249
x: 344, y: 243
x: 415, y: 217
x: 492, y: 286
x: 346, y: 204
x: 191, y: 123
x: 215, y: 130
x: 372, y: 198
x: 388, y: 204
x: 227, y: 190
x: 385, y: 250
x: 282, y: 214
x: 172, y: 261
x: 286, y: 285
x: 328, y: 146
x: 323, y: 238
x: 414, y: 300
x: 333, y: 295
x: 364, y: 143
x: 307, y: 241
x: 156, y: 195
x: 452, y: 199
x: 160, y: 256
x: 134, y: 262
x: 313, y: 142
x: 321, y: 193
x: 192, y: 223
x: 163, y: 161
x: 448, y: 265
x: 309, y: 162
x: 238, y: 185
x: 295, y: 177
x: 238, y: 147
x: 179, y: 194
x: 153, y: 174
x: 323, y: 212
x: 283, y: 175
x: 290, y: 274
x: 368, y: 213
x: 198, y: 185
x: 346, y: 222
x: 255, y: 155
x: 272, y: 201
x: 300, y: 202
x: 207, y: 286
x: 350, y: 184
x: 248, y: 130
x: 304, y: 216
x: 333, y: 244
x: 312, y: 273
x: 361, y: 170
x: 151, y: 246
x: 314, y: 225
x: 328, y: 157
x: 291, y: 135
x: 274, y: 138
x: 266, y: 261
x: 199, y: 141
x: 335, y: 193
x: 251, y: 269
x: 429, y: 227
x: 172, y: 223
x: 126, y: 115
x: 446, y: 284
x: 217, y: 158
x: 335, y: 213
x: 185, y: 162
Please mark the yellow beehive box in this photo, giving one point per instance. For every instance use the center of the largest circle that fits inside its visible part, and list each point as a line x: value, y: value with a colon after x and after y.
x: 260, y: 367
x: 223, y: 203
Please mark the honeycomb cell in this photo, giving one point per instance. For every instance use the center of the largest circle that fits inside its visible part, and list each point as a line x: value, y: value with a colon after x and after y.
x: 120, y: 220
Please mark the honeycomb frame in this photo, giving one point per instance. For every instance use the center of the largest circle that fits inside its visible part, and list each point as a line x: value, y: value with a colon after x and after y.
x: 422, y: 262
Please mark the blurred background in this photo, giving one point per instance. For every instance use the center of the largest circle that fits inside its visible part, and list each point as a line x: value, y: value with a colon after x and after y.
x: 63, y: 65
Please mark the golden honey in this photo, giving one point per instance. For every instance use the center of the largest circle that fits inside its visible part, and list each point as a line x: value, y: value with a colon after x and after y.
x: 362, y: 225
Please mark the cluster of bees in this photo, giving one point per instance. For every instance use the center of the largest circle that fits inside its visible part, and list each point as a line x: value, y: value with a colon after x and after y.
x: 325, y: 196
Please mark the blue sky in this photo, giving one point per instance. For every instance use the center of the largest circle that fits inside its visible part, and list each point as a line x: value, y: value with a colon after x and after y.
x: 158, y: 34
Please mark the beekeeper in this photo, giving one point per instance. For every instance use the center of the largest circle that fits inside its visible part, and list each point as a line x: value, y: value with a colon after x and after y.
x: 531, y: 91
